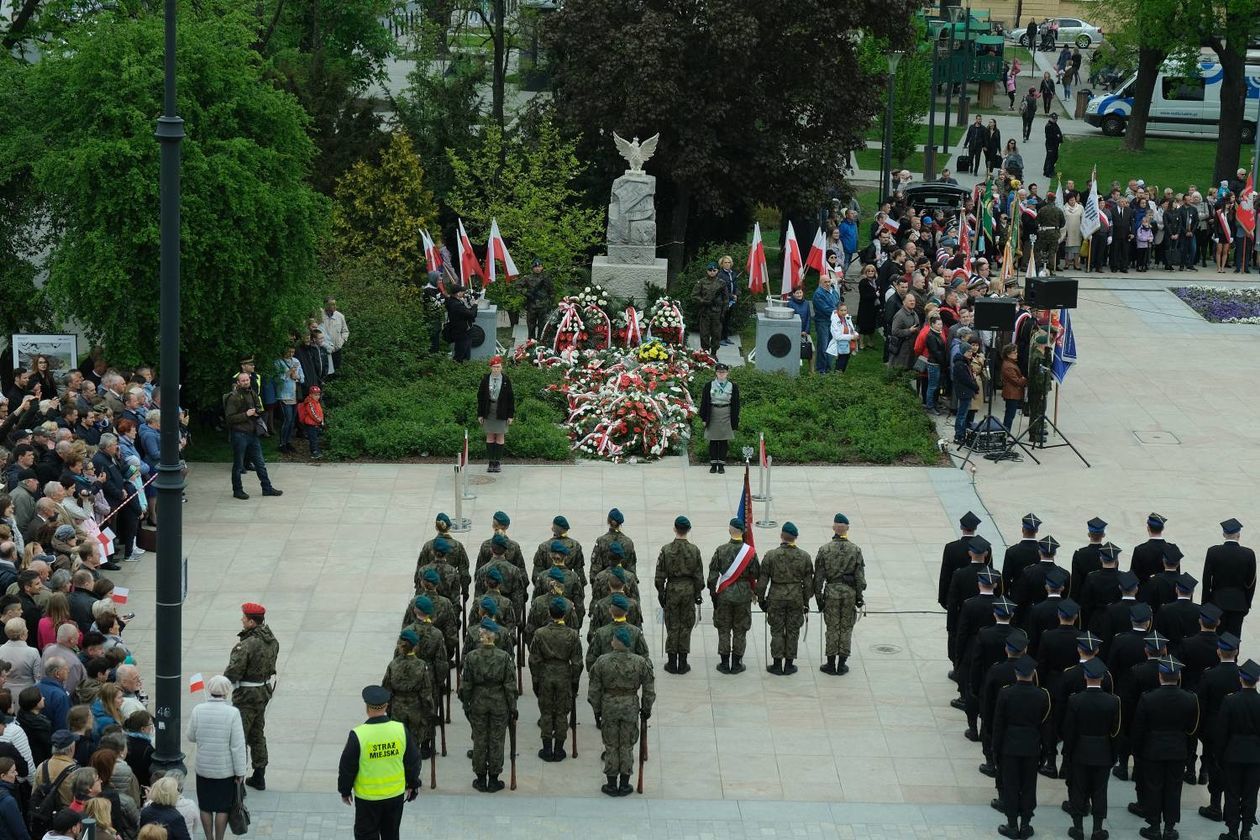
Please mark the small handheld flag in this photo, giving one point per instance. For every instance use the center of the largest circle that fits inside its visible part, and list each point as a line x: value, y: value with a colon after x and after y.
x: 196, y: 683
x: 119, y: 595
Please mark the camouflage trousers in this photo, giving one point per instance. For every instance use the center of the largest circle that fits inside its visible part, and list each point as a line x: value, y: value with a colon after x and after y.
x: 680, y: 618
x: 620, y: 731
x: 732, y: 622
x: 252, y: 704
x: 785, y: 619
x: 840, y: 614
x: 489, y: 729
x: 710, y: 329
x: 555, y: 701
x: 1047, y: 249
x: 418, y: 722
x: 535, y: 321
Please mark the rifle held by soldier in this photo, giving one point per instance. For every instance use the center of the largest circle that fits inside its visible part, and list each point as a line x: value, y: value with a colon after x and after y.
x: 512, y: 747
x: 643, y: 749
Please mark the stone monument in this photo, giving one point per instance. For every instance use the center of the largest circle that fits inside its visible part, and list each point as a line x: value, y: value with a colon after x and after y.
x: 631, y: 262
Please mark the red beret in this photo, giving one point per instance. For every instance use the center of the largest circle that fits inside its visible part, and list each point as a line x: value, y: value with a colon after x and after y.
x: 252, y: 609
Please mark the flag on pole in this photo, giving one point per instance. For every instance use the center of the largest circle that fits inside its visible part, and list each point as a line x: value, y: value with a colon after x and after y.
x: 964, y: 241
x: 1247, y: 206
x: 888, y: 224
x: 119, y: 595
x: 431, y: 258
x: 985, y: 235
x: 468, y: 264
x: 758, y: 273
x: 463, y: 456
x: 496, y: 249
x: 196, y: 683
x: 746, y: 551
x: 793, y: 268
x: 1089, y: 218
x: 1064, y: 348
x: 1008, y: 263
x: 817, y: 253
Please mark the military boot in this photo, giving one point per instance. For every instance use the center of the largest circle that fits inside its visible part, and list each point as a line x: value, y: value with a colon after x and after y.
x: 624, y: 788
x: 789, y: 668
x: 256, y: 781
x: 683, y: 667
x: 737, y: 663
x: 494, y: 784
x: 557, y: 750
x: 671, y: 666
x: 842, y: 667
x: 1009, y: 830
x: 830, y: 666
x: 776, y: 667
x: 610, y: 787
x: 546, y: 753
x: 479, y: 783
x: 724, y: 666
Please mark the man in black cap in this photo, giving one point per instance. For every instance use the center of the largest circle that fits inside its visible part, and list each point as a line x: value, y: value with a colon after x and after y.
x: 988, y: 649
x: 976, y: 614
x: 461, y: 314
x: 1126, y: 651
x: 1087, y: 559
x: 1161, y: 588
x: 1021, y: 713
x: 1164, y: 719
x: 379, y: 770
x: 1091, y: 723
x: 1229, y: 577
x: 1197, y: 649
x: 999, y: 676
x: 1179, y: 618
x: 1217, y: 683
x: 1031, y: 587
x: 537, y: 300
x: 962, y: 586
x: 1056, y: 653
x: 955, y: 555
x: 1045, y: 616
x: 1238, y: 734
x: 1114, y: 618
x: 1148, y: 558
x: 1100, y: 587
x: 1021, y: 554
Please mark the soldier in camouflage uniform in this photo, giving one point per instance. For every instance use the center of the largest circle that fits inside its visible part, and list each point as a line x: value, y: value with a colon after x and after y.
x: 709, y: 296
x: 555, y: 667
x: 513, y: 583
x: 839, y: 580
x: 573, y: 589
x: 601, y: 610
x: 505, y: 637
x: 1050, y: 223
x: 600, y: 641
x: 445, y: 614
x: 505, y: 612
x: 431, y: 647
x: 457, y: 556
x: 488, y: 695
x: 550, y: 587
x: 537, y: 301
x: 542, y: 555
x: 601, y: 583
x: 679, y: 582
x: 732, y: 605
x: 511, y: 548
x: 615, y: 682
x: 250, y: 668
x: 414, y: 698
x: 789, y: 576
x: 449, y: 583
x: 600, y: 553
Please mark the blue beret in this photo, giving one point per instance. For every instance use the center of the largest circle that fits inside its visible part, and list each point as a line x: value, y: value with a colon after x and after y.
x: 616, y: 549
x: 432, y: 576
x: 561, y: 523
x: 488, y: 605
x: 441, y: 546
x: 499, y: 540
x: 495, y: 575
x: 409, y: 636
x: 556, y: 574
x: 560, y: 605
x: 502, y: 518
x: 712, y: 266
x: 374, y: 695
x: 619, y: 573
x: 558, y: 547
x: 737, y: 524
x: 620, y: 601
x: 682, y: 523
x: 789, y: 528
x: 622, y: 634
x: 425, y: 604
x: 490, y: 624
x: 840, y: 519
x: 444, y: 519
x: 615, y: 515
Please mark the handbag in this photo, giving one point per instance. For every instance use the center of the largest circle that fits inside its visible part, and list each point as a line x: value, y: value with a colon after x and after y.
x: 920, y: 364
x: 807, y: 348
x: 260, y: 427
x: 238, y: 817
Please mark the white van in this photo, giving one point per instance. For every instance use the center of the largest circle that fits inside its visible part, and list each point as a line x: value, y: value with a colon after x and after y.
x: 1180, y: 104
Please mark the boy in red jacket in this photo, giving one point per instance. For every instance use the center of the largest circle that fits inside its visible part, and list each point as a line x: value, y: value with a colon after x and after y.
x: 310, y: 416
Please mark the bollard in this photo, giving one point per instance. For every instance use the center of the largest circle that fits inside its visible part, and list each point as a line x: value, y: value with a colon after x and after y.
x: 88, y: 826
x: 766, y: 521
x: 763, y: 490
x: 459, y: 524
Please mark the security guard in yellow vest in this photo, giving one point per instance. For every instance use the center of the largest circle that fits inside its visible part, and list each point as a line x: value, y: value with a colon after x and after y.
x: 381, y: 768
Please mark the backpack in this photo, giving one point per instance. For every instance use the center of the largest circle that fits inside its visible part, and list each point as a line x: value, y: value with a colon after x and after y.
x: 1023, y: 105
x: 44, y: 800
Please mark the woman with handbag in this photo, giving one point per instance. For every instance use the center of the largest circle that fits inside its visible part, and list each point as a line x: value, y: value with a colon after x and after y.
x: 496, y: 408
x: 217, y: 731
x: 719, y: 410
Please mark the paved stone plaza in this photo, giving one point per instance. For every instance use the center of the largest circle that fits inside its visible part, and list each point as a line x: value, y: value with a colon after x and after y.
x: 1161, y: 404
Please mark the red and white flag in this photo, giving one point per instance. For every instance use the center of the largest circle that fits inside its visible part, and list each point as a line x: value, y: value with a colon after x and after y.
x: 758, y: 273
x: 889, y: 224
x: 1247, y: 206
x: 468, y: 264
x: 496, y: 249
x: 196, y: 683
x: 817, y: 253
x: 432, y: 259
x: 106, y: 539
x: 747, y: 551
x: 793, y: 267
x: 120, y: 594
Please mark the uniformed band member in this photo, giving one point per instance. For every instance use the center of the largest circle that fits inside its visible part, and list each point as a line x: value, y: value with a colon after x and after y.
x: 679, y: 584
x: 961, y: 587
x: 379, y: 770
x: 1149, y: 556
x: 978, y: 612
x: 251, y: 668
x: 783, y: 590
x: 1090, y: 726
x: 1021, y: 712
x: 1229, y: 577
x: 616, y: 679
x: 998, y: 677
x: 1165, y: 718
x: 839, y: 581
x: 555, y: 667
x: 1238, y: 733
x: 488, y: 695
x: 1087, y: 559
x: 732, y: 570
x: 988, y: 649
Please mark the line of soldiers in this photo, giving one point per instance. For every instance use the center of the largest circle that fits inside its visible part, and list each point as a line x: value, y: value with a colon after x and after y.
x: 1107, y: 664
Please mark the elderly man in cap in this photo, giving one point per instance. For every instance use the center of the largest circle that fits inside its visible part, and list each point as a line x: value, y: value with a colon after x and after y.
x: 600, y: 559
x: 538, y: 292
x: 251, y: 668
x: 1229, y: 577
x: 457, y: 555
x: 733, y: 570
x: 379, y: 770
x: 679, y: 584
x: 576, y: 559
x: 783, y: 590
x: 488, y: 695
x: 616, y: 679
x: 839, y: 579
x: 710, y: 298
x: 555, y: 667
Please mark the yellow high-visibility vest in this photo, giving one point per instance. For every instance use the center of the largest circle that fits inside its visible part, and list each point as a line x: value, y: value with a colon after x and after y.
x: 381, y: 747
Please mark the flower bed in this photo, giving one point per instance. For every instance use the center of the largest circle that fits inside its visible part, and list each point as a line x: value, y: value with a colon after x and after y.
x: 1222, y: 305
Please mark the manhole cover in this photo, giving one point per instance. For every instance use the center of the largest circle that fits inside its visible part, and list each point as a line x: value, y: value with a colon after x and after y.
x: 479, y: 479
x: 886, y: 649
x: 1157, y: 438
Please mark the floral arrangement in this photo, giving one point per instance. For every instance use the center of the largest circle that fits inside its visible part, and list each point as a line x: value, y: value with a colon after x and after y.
x: 628, y: 328
x: 665, y: 321
x: 653, y: 351
x: 1222, y: 305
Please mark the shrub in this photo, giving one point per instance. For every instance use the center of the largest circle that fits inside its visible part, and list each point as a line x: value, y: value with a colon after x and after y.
x: 685, y: 282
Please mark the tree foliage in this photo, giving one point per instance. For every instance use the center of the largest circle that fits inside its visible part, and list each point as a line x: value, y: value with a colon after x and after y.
x: 912, y: 85
x: 381, y: 207
x: 83, y: 121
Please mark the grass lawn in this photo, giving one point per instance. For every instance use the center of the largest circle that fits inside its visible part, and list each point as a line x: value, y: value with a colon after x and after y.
x: 868, y: 159
x: 1165, y: 162
x: 876, y: 132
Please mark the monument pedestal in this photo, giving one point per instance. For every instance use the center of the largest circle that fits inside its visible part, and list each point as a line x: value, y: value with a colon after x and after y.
x: 627, y: 280
x: 485, y: 331
x: 779, y: 344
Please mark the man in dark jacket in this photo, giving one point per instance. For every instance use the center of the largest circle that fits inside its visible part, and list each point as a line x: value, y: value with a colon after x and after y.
x: 1054, y: 139
x: 1021, y: 713
x: 1090, y: 725
x: 1165, y: 719
x: 1238, y: 734
x: 460, y: 316
x: 1229, y: 577
x: 1217, y: 683
x: 974, y: 141
x: 242, y: 409
x: 1148, y: 557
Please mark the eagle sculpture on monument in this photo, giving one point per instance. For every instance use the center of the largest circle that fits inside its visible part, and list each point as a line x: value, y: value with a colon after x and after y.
x: 636, y: 153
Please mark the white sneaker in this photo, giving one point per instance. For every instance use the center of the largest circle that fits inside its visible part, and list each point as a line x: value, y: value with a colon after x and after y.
x: 134, y: 558
x: 137, y: 551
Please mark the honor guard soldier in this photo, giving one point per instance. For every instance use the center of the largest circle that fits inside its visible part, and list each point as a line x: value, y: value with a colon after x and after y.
x: 977, y: 612
x: 600, y: 641
x: 1161, y: 588
x: 1057, y: 653
x: 1101, y: 588
x: 732, y: 571
x: 679, y: 584
x: 783, y: 590
x: 600, y: 610
x: 1090, y: 726
x: 449, y: 585
x: 839, y: 584
x: 1086, y: 559
x: 1229, y: 577
x: 961, y: 587
x: 1179, y: 618
x: 1018, y: 720
x: 999, y: 676
x: 1238, y: 733
x: 379, y: 770
x: 1030, y: 590
x: 1045, y: 616
x: 251, y: 668
x: 601, y: 584
x: 445, y: 615
x: 1217, y: 683
x: 542, y: 555
x: 599, y: 554
x: 500, y: 522
x: 955, y: 555
x: 513, y: 581
x: 457, y: 556
x: 616, y: 680
x: 573, y: 589
x: 1148, y: 558
x: 413, y: 692
x: 1022, y: 554
x: 488, y: 695
x: 1116, y: 618
x: 988, y: 649
x: 540, y: 607
x: 555, y: 667
x: 1165, y: 719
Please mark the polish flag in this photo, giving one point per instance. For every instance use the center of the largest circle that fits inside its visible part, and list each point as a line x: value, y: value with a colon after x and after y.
x: 431, y: 256
x: 106, y: 539
x: 817, y: 253
x: 196, y: 683
x: 758, y: 273
x: 1247, y: 206
x: 496, y: 249
x: 889, y: 224
x: 120, y: 594
x: 468, y: 265
x: 793, y: 268
x: 747, y: 551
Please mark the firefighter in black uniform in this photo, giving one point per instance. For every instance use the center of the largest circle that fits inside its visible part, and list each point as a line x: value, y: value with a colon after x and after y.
x: 1238, y: 731
x: 1018, y: 721
x: 1165, y: 717
x: 1229, y: 577
x: 1216, y: 684
x: 1090, y: 726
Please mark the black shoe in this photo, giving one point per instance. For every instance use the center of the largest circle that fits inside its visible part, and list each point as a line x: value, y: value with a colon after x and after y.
x: 1211, y: 812
x: 1171, y: 834
x: 724, y: 665
x: 721, y: 469
x: 1100, y: 834
x: 545, y: 753
x: 997, y: 805
x: 426, y: 752
x: 788, y: 668
x: 1227, y: 835
x: 479, y: 783
x: 610, y: 787
x: 959, y: 704
x: 557, y: 750
x: 842, y: 666
x: 671, y: 666
x: 971, y: 734
x: 110, y: 567
x: 737, y: 663
x: 829, y: 667
x: 1066, y: 807
x: 240, y: 494
x: 1189, y: 777
x: 257, y: 781
x: 1026, y: 831
x: 494, y: 784
x: 1076, y: 833
x: 950, y: 675
x: 712, y: 469
x: 988, y: 769
x: 776, y: 668
x: 683, y: 667
x: 1203, y: 776
x: 623, y: 787
x: 1049, y: 770
x: 1135, y: 808
x: 1007, y: 830
x: 271, y: 491
x: 1121, y: 772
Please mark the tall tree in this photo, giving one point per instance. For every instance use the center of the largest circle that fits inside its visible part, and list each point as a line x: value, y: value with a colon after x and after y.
x: 1227, y: 26
x: 755, y: 102
x: 1154, y: 30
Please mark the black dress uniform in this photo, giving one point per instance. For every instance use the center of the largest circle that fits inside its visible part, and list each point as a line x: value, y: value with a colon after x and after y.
x: 1215, y: 685
x: 1030, y: 590
x: 987, y: 648
x: 1090, y: 726
x: 998, y: 677
x: 1197, y: 651
x: 1164, y: 718
x: 955, y: 555
x: 1229, y: 578
x: 1139, y: 679
x: 1087, y: 558
x: 1238, y: 733
x: 1100, y: 588
x: 1161, y: 588
x: 1021, y: 554
x: 1179, y: 618
x: 1057, y: 653
x: 961, y: 587
x: 1021, y: 713
x: 1148, y: 558
x: 1124, y: 649
x: 1045, y: 616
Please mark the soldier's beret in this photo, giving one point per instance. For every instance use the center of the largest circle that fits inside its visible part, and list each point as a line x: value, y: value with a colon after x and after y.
x: 737, y: 524
x: 499, y: 541
x: 488, y: 605
x: 682, y: 523
x: 790, y: 528
x: 969, y: 521
x: 490, y: 624
x: 537, y: 263
x: 616, y: 549
x: 620, y: 601
x: 1094, y: 669
x: 712, y: 266
x: 622, y: 634
x: 425, y: 604
x: 559, y: 605
x: 840, y: 519
x: 432, y: 576
x: 441, y: 546
x: 502, y: 518
x: 1210, y: 613
x: 558, y: 547
x: 495, y: 575
x: 615, y: 515
x: 1231, y: 526
x: 619, y: 573
x: 561, y: 523
x: 556, y: 573
x: 254, y: 610
x: 409, y: 636
x: 1025, y: 666
x: 375, y: 695
x: 443, y: 518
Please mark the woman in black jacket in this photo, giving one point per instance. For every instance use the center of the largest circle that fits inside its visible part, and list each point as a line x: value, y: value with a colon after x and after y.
x: 965, y: 387
x: 460, y: 315
x: 496, y: 406
x: 993, y: 146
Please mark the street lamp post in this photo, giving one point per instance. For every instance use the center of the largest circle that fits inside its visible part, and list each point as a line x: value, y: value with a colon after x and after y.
x: 170, y: 482
x: 966, y: 80
x: 893, y: 59
x: 954, y: 12
x: 929, y: 151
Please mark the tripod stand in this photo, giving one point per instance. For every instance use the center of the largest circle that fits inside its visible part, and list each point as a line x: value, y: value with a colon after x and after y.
x: 1006, y: 450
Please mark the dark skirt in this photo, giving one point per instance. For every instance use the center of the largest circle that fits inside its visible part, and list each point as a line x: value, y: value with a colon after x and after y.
x: 216, y: 796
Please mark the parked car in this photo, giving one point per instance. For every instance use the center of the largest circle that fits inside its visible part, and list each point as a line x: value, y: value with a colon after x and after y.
x: 1071, y: 31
